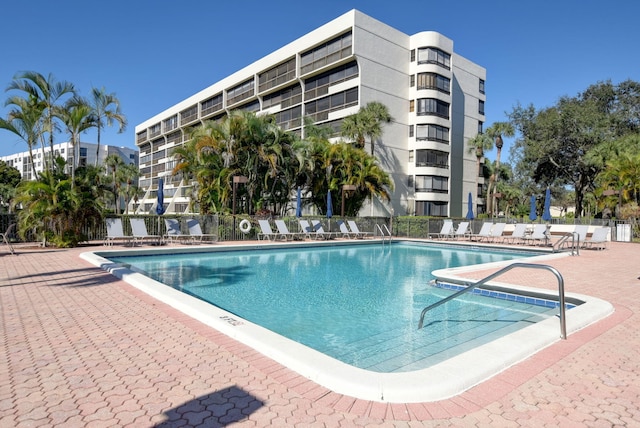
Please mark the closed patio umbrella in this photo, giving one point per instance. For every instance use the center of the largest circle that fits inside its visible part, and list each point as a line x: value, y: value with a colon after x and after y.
x: 299, y: 204
x: 533, y: 212
x: 546, y: 213
x: 160, y: 204
x: 329, y: 205
x: 470, y: 207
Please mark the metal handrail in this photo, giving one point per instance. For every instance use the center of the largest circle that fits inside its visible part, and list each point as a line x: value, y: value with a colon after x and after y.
x: 575, y: 242
x: 563, y: 324
x: 382, y: 232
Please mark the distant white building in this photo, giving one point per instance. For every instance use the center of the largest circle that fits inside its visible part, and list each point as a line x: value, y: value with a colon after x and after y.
x: 435, y: 96
x: 87, y: 156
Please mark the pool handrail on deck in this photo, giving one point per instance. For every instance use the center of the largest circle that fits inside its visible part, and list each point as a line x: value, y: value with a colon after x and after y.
x: 563, y: 323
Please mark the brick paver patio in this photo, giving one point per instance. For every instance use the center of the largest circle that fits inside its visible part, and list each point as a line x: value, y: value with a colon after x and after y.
x: 81, y: 348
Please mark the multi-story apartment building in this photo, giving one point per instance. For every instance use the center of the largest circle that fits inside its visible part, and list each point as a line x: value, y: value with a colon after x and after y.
x: 436, y: 98
x: 86, y: 156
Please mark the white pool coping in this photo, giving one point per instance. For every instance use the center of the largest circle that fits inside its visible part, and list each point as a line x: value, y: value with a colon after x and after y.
x: 441, y: 381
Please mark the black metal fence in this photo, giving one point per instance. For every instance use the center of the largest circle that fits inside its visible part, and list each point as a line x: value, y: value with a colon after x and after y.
x: 227, y: 227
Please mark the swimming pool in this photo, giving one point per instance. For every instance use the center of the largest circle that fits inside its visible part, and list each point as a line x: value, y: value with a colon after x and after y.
x: 394, y: 306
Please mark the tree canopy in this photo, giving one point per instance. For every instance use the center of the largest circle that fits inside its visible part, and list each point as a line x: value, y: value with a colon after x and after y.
x: 554, y: 143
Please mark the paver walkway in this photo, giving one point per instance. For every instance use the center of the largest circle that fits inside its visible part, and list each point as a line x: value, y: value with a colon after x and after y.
x: 81, y: 348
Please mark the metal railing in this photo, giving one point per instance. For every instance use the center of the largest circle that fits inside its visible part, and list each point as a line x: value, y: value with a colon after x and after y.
x: 563, y: 324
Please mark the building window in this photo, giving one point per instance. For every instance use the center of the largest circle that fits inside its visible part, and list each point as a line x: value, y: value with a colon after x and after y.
x: 141, y: 136
x: 291, y: 118
x: 481, y: 107
x: 410, y: 183
x: 412, y: 106
x: 171, y: 123
x: 411, y: 156
x: 278, y: 75
x: 433, y: 107
x: 411, y: 130
x: 318, y: 86
x: 432, y: 208
x: 154, y: 131
x: 413, y: 55
x: 481, y: 86
x: 188, y: 115
x: 319, y: 109
x: 434, y: 56
x: 432, y: 183
x: 174, y: 137
x: 211, y: 105
x: 250, y: 106
x: 434, y: 81
x: 240, y: 92
x: 412, y: 80
x: 283, y: 98
x: 480, y: 125
x: 327, y: 53
x: 432, y: 132
x: 432, y: 158
x: 83, y: 151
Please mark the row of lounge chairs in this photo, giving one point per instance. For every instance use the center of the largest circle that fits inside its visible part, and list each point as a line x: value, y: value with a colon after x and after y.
x: 139, y: 234
x: 522, y: 233
x: 313, y: 230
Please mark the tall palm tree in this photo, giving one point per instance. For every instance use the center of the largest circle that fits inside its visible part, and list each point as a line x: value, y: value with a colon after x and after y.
x: 48, y: 92
x: 106, y: 109
x: 128, y: 174
x: 25, y: 121
x: 478, y: 145
x: 113, y: 163
x: 77, y: 117
x: 496, y: 131
x: 366, y: 123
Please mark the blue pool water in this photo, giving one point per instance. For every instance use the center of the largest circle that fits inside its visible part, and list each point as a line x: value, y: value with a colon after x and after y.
x: 359, y: 304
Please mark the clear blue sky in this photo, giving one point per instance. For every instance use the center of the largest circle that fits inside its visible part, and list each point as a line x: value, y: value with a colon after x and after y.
x: 155, y: 53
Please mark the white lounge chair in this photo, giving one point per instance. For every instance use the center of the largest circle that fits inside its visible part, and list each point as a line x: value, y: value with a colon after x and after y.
x: 115, y: 232
x: 446, y: 231
x: 139, y: 231
x: 265, y: 231
x: 485, y: 232
x: 174, y: 232
x: 354, y: 228
x: 598, y: 240
x: 462, y: 230
x: 283, y: 231
x: 317, y: 226
x: 4, y: 238
x: 496, y: 232
x: 517, y: 236
x: 345, y: 232
x: 196, y: 232
x: 538, y: 235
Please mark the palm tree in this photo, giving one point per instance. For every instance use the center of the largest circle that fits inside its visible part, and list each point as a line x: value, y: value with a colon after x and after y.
x: 128, y: 174
x: 106, y: 109
x: 77, y: 118
x: 478, y: 145
x: 113, y: 163
x: 47, y: 92
x: 496, y: 131
x: 25, y: 121
x: 366, y: 123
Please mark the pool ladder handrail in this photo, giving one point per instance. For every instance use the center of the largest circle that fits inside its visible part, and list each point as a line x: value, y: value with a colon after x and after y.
x: 563, y: 324
x: 382, y: 232
x: 575, y: 243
